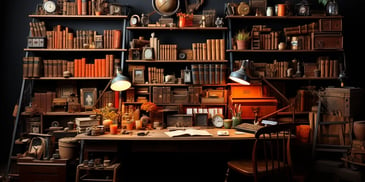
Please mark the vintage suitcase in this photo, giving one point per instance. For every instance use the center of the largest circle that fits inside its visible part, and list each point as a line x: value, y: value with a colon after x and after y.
x: 328, y: 41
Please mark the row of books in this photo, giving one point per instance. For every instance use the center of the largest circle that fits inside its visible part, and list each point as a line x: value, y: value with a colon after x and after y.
x: 63, y: 38
x: 34, y: 67
x: 212, y: 49
x: 209, y: 73
x: 80, y: 7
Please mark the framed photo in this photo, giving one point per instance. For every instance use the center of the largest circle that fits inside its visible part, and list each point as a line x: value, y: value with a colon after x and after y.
x: 138, y: 75
x: 88, y: 98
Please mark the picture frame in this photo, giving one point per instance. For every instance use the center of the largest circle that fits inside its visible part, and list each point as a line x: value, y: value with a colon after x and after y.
x: 138, y: 76
x: 88, y: 98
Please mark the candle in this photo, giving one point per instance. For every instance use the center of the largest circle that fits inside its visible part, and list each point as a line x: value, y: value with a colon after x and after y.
x: 138, y: 124
x: 113, y: 129
x: 281, y: 9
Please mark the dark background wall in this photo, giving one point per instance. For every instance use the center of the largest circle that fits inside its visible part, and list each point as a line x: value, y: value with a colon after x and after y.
x: 14, y: 30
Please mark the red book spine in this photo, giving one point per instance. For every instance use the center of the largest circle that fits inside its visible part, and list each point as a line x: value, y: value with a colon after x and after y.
x: 93, y: 70
x: 116, y: 99
x: 103, y: 67
x: 116, y: 35
x: 79, y: 7
x: 83, y: 63
x: 107, y: 63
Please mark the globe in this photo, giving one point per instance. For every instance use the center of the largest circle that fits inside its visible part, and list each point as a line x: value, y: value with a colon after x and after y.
x: 166, y: 7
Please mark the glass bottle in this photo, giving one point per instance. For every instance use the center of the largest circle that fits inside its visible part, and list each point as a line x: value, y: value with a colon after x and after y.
x: 332, y: 8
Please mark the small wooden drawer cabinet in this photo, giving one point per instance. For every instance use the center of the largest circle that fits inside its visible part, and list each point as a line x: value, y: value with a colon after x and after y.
x: 43, y: 170
x: 85, y: 173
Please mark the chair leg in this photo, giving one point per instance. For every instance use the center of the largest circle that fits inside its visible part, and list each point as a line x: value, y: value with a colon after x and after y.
x: 227, y: 174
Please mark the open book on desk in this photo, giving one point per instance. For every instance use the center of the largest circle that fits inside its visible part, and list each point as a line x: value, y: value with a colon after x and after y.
x: 188, y: 132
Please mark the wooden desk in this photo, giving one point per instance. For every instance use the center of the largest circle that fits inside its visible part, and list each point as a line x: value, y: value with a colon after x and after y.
x: 162, y: 157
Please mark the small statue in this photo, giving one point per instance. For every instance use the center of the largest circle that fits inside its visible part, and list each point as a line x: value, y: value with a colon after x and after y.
x: 202, y: 22
x: 219, y: 22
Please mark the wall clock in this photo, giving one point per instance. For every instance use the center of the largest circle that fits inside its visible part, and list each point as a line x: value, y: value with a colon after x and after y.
x: 217, y: 120
x: 243, y: 9
x: 134, y: 21
x: 49, y: 7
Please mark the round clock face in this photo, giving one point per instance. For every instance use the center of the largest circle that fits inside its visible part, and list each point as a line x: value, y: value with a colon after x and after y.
x: 134, y: 21
x: 148, y: 53
x: 49, y: 6
x: 217, y: 120
x: 243, y: 9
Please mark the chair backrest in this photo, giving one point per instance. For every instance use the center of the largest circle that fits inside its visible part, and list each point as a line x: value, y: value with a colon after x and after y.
x: 271, y: 151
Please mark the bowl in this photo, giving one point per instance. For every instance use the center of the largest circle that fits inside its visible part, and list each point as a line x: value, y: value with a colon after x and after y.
x: 359, y: 130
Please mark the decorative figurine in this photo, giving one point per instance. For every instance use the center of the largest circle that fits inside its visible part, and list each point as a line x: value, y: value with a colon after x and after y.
x: 219, y: 22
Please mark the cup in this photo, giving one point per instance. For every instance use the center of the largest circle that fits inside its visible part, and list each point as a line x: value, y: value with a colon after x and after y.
x: 269, y: 11
x: 227, y: 123
x: 281, y: 9
x: 113, y: 129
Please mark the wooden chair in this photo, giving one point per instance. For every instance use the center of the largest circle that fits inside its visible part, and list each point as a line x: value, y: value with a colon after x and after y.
x: 271, y: 156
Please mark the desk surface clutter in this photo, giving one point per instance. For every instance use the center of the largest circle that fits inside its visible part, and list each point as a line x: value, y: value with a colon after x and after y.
x: 205, y: 134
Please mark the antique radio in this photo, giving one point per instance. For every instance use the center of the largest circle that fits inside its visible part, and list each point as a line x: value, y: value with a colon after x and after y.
x: 59, y: 105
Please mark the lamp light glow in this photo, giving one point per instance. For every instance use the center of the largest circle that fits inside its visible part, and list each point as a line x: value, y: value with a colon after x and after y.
x: 240, y: 76
x: 120, y: 82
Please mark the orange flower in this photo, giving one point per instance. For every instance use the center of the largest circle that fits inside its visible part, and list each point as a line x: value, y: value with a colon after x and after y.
x: 149, y: 106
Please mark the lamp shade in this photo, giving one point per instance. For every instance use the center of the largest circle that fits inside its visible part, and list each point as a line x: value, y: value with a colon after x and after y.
x: 120, y: 82
x: 240, y: 75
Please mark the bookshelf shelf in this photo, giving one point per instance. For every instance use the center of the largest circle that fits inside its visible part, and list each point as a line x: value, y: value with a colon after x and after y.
x: 287, y: 51
x: 177, y: 61
x: 70, y: 78
x: 80, y: 16
x: 76, y: 50
x: 179, y: 29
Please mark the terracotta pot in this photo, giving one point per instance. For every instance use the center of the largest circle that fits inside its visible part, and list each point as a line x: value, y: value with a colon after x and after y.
x: 359, y: 130
x: 242, y: 44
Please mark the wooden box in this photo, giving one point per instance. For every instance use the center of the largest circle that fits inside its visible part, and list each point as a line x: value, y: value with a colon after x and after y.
x: 249, y: 91
x: 74, y: 107
x: 180, y: 96
x: 262, y: 106
x: 344, y: 101
x: 329, y: 25
x: 42, y: 170
x: 328, y: 41
x: 179, y: 120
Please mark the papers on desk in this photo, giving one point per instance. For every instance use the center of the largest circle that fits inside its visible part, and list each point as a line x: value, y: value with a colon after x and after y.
x: 187, y: 132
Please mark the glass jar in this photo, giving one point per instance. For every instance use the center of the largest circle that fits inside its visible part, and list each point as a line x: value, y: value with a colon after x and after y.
x: 332, y: 8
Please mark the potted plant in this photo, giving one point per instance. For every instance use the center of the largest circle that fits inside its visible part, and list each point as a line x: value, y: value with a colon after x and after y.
x: 243, y: 39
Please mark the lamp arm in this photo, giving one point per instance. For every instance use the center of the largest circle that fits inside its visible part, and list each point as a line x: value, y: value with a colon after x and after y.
x: 102, y: 93
x: 276, y: 90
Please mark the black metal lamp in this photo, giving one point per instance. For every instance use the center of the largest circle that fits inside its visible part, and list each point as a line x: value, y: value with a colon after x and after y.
x: 240, y: 76
x: 120, y: 82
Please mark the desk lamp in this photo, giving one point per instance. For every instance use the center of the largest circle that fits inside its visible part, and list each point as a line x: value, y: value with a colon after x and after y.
x: 120, y: 82
x: 240, y: 76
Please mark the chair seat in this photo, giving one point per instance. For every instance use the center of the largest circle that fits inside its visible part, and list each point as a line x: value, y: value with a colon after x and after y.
x: 245, y: 166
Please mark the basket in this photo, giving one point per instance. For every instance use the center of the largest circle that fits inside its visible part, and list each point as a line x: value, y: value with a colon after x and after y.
x: 67, y: 148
